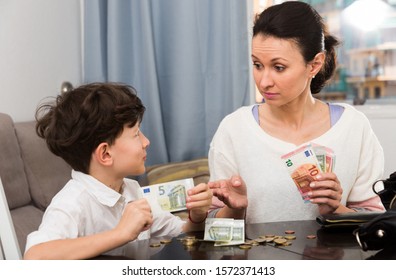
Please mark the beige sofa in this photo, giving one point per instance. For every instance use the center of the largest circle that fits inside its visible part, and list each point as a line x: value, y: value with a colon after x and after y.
x: 30, y: 173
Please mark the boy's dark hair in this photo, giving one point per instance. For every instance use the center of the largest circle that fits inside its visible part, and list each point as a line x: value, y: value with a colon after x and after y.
x: 301, y: 23
x: 79, y: 120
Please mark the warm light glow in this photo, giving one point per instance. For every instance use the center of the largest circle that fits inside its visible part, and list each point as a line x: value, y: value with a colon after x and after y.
x: 367, y: 15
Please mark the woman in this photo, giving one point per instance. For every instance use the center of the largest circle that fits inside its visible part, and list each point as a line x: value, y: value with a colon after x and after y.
x: 293, y: 57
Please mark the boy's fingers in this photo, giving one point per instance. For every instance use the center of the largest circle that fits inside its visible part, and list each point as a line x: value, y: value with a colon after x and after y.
x: 198, y: 189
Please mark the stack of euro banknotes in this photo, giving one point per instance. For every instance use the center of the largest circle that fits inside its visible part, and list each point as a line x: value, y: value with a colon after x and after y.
x: 305, y: 163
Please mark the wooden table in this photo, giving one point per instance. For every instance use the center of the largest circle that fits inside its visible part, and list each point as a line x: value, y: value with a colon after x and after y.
x: 327, y: 245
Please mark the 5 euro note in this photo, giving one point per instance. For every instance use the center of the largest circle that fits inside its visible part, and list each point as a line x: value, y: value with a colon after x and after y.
x: 170, y: 196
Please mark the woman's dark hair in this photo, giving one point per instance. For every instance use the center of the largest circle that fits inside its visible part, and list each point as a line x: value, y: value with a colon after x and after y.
x: 80, y: 119
x: 301, y: 23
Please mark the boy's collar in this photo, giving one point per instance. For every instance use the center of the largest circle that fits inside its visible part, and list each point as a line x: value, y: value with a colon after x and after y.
x: 100, y: 191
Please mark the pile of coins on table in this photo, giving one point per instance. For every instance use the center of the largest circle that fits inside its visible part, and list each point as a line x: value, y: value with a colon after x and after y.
x: 163, y: 241
x: 278, y: 240
x: 271, y: 239
x: 189, y: 242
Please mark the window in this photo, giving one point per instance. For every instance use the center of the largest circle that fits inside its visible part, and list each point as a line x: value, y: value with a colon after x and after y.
x: 367, y: 54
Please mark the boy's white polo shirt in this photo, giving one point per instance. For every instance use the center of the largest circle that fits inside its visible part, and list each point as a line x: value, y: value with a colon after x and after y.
x: 85, y: 206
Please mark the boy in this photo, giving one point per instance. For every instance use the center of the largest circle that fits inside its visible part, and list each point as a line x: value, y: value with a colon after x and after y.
x: 95, y: 129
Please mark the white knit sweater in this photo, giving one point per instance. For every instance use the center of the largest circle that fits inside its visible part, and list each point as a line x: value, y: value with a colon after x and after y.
x: 241, y: 147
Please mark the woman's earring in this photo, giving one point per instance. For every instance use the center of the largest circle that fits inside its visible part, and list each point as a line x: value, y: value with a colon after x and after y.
x: 313, y: 77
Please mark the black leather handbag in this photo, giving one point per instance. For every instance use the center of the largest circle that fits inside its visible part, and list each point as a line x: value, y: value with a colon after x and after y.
x: 379, y: 233
x: 388, y: 194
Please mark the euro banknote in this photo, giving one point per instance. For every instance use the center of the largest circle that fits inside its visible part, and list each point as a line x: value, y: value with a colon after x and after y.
x: 225, y: 231
x: 238, y: 234
x: 171, y: 196
x: 303, y: 166
x: 325, y: 157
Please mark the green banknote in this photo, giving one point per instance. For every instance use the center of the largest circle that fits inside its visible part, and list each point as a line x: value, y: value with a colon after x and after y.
x: 225, y: 231
x: 238, y: 234
x: 218, y: 229
x: 325, y: 156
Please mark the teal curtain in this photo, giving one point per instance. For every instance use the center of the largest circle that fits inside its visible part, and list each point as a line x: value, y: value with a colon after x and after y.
x: 188, y: 60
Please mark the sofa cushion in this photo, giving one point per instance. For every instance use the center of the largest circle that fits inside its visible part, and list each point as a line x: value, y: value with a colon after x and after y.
x: 26, y: 219
x: 11, y: 166
x: 46, y: 173
x: 198, y: 169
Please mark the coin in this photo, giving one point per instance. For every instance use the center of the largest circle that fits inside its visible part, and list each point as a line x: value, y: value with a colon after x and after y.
x: 287, y: 243
x: 189, y: 242
x: 260, y: 240
x: 280, y: 241
x: 166, y: 241
x: 189, y: 237
x: 245, y: 246
x: 252, y: 242
x: 311, y: 236
x: 289, y: 231
x: 155, y: 245
x: 290, y: 237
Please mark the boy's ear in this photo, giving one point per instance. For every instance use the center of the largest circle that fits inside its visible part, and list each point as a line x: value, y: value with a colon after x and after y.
x: 102, y: 154
x: 317, y: 63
